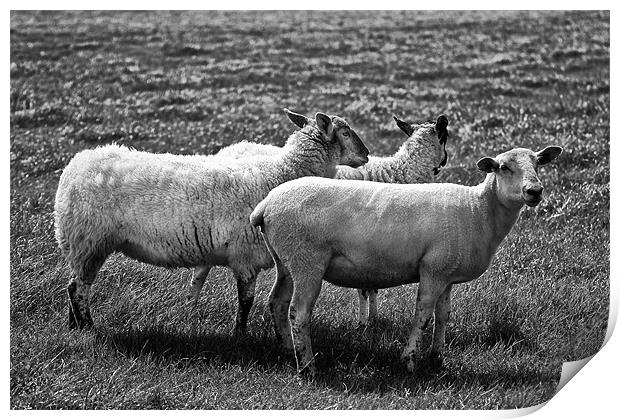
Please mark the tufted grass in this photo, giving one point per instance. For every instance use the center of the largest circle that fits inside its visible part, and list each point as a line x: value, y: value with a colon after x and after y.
x: 194, y: 82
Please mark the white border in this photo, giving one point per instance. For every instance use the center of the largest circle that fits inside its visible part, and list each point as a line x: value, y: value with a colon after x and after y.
x: 592, y: 393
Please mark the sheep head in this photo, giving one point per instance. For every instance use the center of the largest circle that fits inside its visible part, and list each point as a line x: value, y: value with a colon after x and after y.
x: 516, y: 174
x: 340, y: 137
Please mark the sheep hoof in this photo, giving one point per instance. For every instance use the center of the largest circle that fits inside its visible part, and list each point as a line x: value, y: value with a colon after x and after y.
x: 72, y: 322
x: 308, y: 372
x: 287, y: 348
x: 411, y: 366
x: 410, y: 361
x: 79, y: 322
x: 435, y: 360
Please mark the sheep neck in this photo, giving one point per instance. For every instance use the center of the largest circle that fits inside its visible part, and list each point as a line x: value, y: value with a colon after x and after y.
x: 305, y: 154
x: 416, y: 158
x: 412, y: 163
x: 500, y: 217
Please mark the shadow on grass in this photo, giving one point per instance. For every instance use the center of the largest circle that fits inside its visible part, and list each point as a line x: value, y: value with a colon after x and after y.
x: 166, y: 344
x: 348, y: 359
x: 338, y: 346
x: 504, y: 331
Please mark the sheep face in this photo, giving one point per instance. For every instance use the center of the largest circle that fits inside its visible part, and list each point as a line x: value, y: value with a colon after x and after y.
x: 516, y: 174
x: 344, y: 144
x: 347, y: 143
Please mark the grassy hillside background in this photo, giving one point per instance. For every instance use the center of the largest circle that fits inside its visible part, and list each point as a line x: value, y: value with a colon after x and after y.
x: 194, y: 82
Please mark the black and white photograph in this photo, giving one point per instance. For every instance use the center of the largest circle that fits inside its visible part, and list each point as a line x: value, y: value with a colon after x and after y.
x: 306, y: 209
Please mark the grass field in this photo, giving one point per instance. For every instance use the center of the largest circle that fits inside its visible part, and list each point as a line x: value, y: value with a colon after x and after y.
x: 194, y: 82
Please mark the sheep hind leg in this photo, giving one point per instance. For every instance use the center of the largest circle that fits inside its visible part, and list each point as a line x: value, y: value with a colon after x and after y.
x: 307, y: 275
x: 246, y: 287
x: 78, y: 291
x: 279, y: 304
x: 305, y: 293
x: 198, y: 281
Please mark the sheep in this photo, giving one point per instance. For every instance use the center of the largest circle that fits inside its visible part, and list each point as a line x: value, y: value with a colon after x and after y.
x: 417, y: 161
x: 182, y: 211
x: 375, y: 235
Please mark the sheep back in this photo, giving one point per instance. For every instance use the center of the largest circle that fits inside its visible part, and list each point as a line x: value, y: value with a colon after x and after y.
x: 163, y: 209
x: 379, y: 233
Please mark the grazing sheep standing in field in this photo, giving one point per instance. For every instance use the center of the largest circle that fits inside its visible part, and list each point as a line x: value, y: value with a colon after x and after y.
x: 183, y: 211
x: 417, y: 161
x: 372, y: 235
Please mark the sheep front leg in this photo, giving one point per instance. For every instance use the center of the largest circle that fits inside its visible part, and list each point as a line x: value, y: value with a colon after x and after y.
x: 428, y: 293
x: 246, y: 285
x: 79, y: 312
x: 368, y: 306
x: 442, y: 314
x: 198, y: 281
x: 363, y: 308
x: 84, y: 270
x: 279, y: 304
x: 372, y: 304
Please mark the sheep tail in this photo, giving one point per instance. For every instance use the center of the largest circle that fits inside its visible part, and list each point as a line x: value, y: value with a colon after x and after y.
x: 257, y: 216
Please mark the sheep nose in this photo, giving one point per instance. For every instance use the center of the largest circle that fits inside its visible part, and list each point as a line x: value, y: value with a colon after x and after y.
x: 534, y: 191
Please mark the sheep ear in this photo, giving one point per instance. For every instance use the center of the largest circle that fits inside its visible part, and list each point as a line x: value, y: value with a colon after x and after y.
x: 441, y: 125
x: 548, y: 154
x: 406, y: 127
x: 487, y: 164
x: 297, y: 119
x: 323, y: 123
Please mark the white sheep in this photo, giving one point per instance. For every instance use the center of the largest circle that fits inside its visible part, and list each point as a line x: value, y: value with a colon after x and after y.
x: 183, y: 211
x: 372, y: 235
x: 418, y: 159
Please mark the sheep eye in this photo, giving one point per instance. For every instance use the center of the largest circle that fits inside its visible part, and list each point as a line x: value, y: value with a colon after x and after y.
x: 504, y: 167
x: 345, y: 133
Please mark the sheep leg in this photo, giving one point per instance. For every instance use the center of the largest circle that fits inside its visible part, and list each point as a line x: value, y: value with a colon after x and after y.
x: 306, y: 270
x: 428, y: 293
x: 363, y: 308
x: 368, y: 306
x: 246, y: 285
x: 79, y: 313
x: 198, y: 280
x: 279, y: 304
x: 442, y: 314
x: 79, y: 293
x: 372, y: 304
x: 305, y: 293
